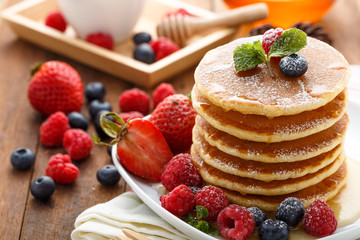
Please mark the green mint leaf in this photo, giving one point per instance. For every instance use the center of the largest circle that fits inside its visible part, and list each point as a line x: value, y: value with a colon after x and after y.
x: 189, y: 217
x: 248, y: 55
x: 289, y: 42
x: 193, y: 223
x: 203, y: 226
x: 213, y: 230
x: 201, y: 212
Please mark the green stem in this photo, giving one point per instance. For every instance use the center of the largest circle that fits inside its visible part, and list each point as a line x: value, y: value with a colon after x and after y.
x: 269, y: 68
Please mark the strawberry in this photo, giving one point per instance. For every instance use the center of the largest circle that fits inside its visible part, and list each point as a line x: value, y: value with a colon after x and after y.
x: 141, y: 147
x: 175, y: 117
x: 55, y: 86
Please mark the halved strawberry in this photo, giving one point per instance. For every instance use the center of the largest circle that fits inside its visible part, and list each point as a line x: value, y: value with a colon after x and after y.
x: 141, y: 147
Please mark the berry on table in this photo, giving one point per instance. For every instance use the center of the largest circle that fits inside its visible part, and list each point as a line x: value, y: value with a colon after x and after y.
x: 213, y: 199
x: 96, y: 106
x: 109, y: 150
x: 98, y: 128
x: 293, y: 66
x: 108, y: 175
x: 130, y: 115
x: 77, y: 120
x: 77, y: 143
x: 22, y: 158
x: 53, y: 128
x: 291, y: 211
x: 235, y: 222
x: 161, y: 92
x: 101, y: 40
x: 258, y: 214
x: 269, y: 38
x: 144, y: 53
x: 181, y: 170
x: 319, y: 219
x: 141, y: 37
x: 95, y: 90
x: 56, y: 20
x: 42, y: 188
x: 61, y: 169
x: 180, y: 201
x: 272, y: 229
x: 134, y: 100
x: 163, y: 47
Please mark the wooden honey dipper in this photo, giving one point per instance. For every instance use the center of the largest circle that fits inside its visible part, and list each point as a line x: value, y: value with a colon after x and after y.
x: 180, y: 27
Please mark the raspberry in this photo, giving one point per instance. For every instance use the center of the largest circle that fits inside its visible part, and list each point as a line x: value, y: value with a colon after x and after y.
x: 77, y: 143
x: 181, y: 170
x: 101, y: 40
x: 161, y: 92
x: 179, y: 201
x: 131, y: 115
x: 291, y: 211
x: 61, y: 169
x: 163, y: 47
x: 235, y: 222
x: 319, y: 219
x: 56, y: 21
x: 269, y: 38
x: 213, y: 199
x: 180, y: 11
x: 52, y: 129
x: 134, y: 100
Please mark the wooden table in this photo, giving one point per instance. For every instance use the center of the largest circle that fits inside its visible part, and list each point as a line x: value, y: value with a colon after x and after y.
x: 23, y: 217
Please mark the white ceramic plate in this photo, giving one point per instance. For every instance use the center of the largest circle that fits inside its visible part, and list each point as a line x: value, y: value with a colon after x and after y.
x: 149, y: 194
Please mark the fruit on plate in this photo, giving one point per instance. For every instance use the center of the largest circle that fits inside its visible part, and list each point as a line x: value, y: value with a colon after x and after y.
x: 141, y: 147
x: 180, y: 201
x: 55, y: 86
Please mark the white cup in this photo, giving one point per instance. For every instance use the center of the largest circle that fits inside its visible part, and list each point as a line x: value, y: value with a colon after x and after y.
x: 114, y: 17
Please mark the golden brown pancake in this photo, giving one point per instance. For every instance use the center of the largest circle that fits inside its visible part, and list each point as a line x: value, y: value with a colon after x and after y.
x: 256, y: 92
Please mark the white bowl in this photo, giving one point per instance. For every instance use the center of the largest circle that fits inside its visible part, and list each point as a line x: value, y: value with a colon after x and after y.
x: 114, y: 17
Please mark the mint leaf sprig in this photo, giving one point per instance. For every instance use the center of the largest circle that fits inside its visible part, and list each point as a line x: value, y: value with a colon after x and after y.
x: 198, y: 222
x: 249, y: 55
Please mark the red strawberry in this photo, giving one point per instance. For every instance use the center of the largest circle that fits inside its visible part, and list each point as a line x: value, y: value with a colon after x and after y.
x: 56, y: 86
x: 175, y: 117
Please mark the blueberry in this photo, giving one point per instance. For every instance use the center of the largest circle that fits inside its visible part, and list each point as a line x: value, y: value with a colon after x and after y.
x: 294, y: 65
x: 109, y: 150
x: 291, y: 211
x: 108, y: 175
x: 272, y: 229
x: 98, y: 128
x: 259, y: 215
x: 95, y: 90
x: 144, y: 53
x: 195, y: 189
x: 42, y: 188
x: 98, y: 105
x: 22, y: 158
x: 141, y: 37
x: 77, y: 120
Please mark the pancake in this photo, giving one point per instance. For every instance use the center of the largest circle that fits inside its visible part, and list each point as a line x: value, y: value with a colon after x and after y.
x: 252, y: 186
x: 259, y: 170
x: 288, y: 151
x: 256, y: 92
x: 325, y: 190
x: 262, y: 129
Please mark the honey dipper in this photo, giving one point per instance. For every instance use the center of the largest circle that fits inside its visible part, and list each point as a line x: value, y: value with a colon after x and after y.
x: 180, y: 27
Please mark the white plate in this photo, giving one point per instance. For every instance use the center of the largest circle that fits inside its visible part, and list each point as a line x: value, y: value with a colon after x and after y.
x: 149, y: 194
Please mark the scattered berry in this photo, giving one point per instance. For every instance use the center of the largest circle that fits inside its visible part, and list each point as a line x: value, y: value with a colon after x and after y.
x: 109, y: 150
x: 22, y: 158
x: 55, y: 86
x: 181, y: 170
x: 269, y: 38
x: 161, y: 92
x: 258, y: 214
x: 195, y: 189
x: 272, y: 229
x: 180, y: 11
x: 77, y: 120
x: 144, y: 53
x: 179, y: 201
x: 42, y: 188
x: 131, y: 115
x: 213, y: 199
x: 163, y: 47
x: 52, y: 129
x: 56, y: 20
x: 319, y: 219
x: 235, y: 222
x: 291, y: 211
x: 95, y: 90
x: 77, y: 143
x: 175, y: 117
x: 98, y: 128
x: 141, y: 37
x: 101, y: 40
x: 96, y: 106
x: 294, y: 65
x: 134, y: 100
x: 61, y: 169
x: 108, y: 175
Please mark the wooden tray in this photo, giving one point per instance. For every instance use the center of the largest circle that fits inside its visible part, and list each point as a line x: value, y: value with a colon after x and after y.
x: 27, y: 20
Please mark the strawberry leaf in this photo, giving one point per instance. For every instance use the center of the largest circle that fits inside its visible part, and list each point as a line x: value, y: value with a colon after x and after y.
x: 248, y: 55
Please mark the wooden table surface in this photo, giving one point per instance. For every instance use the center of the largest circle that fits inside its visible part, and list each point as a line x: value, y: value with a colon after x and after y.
x: 23, y: 217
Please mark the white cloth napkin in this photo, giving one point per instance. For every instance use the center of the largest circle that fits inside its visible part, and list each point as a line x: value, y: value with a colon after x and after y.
x: 106, y: 220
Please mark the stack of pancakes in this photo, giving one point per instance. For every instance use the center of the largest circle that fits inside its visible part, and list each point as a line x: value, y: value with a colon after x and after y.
x: 263, y: 139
